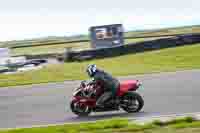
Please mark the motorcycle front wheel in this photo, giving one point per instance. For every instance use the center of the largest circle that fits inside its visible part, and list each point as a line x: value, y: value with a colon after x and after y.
x: 80, y: 110
x: 132, y: 102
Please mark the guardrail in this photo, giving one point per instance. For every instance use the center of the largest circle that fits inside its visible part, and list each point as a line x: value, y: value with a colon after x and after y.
x: 179, y: 40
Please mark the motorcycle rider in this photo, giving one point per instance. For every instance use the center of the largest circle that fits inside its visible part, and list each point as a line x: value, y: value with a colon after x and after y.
x: 110, y: 84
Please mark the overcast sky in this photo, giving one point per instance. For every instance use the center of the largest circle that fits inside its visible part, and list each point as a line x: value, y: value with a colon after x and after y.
x: 22, y: 19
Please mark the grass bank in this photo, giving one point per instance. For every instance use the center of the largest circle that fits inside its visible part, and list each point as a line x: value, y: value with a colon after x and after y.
x: 181, y: 125
x: 172, y: 59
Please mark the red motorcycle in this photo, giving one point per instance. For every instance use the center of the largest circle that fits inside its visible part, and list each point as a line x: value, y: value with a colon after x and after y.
x: 85, y: 97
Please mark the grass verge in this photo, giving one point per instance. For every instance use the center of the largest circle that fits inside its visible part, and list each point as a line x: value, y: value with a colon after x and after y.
x: 117, y: 125
x: 172, y: 59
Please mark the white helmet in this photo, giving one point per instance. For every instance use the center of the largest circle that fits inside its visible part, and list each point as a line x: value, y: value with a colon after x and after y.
x: 91, y: 70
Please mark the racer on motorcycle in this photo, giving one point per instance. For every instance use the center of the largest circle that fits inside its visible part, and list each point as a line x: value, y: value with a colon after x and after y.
x: 110, y: 84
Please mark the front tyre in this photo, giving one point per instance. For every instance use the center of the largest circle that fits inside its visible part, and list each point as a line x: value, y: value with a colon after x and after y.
x: 80, y: 110
x: 132, y: 102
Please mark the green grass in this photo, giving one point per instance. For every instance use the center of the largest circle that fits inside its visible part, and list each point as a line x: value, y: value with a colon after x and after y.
x: 172, y: 59
x: 46, y: 49
x: 118, y: 126
x: 45, y: 40
x: 166, y: 31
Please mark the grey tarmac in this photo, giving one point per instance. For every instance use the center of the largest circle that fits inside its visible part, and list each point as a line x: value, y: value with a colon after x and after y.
x: 163, y: 93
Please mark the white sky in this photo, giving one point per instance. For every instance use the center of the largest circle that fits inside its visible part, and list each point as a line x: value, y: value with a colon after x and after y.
x: 22, y: 19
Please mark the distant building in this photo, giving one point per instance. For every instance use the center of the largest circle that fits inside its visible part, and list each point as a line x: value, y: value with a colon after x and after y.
x: 106, y: 36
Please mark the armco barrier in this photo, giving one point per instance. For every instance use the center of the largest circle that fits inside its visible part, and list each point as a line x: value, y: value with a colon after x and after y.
x: 42, y: 56
x: 86, y: 40
x: 181, y: 40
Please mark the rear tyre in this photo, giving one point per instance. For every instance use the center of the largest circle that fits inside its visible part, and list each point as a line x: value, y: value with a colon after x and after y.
x: 132, y: 102
x: 79, y: 110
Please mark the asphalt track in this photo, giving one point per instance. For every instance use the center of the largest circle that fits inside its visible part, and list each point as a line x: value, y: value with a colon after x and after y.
x: 165, y: 93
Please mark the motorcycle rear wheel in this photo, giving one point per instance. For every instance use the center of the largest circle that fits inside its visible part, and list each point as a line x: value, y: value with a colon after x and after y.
x: 132, y: 102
